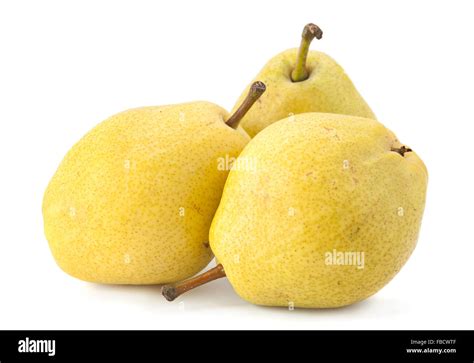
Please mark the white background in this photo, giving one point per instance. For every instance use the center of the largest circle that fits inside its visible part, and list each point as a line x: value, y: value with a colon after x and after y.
x: 67, y: 65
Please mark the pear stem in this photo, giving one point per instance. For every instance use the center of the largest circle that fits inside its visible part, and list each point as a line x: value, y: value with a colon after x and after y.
x: 310, y: 31
x: 172, y: 291
x: 402, y: 150
x: 256, y: 90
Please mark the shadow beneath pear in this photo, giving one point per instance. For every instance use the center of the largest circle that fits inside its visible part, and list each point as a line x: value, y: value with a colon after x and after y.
x: 371, y: 304
x: 141, y: 293
x: 216, y: 294
x: 220, y: 294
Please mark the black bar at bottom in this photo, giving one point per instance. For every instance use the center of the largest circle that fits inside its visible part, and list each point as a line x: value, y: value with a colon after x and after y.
x: 240, y: 345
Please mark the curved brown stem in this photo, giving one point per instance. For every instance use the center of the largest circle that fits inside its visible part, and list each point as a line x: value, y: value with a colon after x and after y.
x: 310, y: 31
x: 172, y: 291
x: 256, y: 90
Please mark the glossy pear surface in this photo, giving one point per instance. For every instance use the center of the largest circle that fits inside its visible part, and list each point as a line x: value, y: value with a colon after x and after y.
x: 328, y: 89
x: 132, y: 202
x: 321, y: 185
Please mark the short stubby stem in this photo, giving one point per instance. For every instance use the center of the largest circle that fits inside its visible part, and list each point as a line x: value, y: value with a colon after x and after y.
x: 172, y: 291
x: 310, y: 31
x: 402, y: 150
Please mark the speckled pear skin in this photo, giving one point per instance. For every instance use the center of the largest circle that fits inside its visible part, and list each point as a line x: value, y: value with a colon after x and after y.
x: 328, y: 89
x: 322, y: 182
x: 132, y: 202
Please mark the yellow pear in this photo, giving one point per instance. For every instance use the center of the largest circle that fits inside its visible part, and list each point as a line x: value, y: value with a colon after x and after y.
x: 327, y: 217
x: 133, y: 200
x: 300, y: 81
